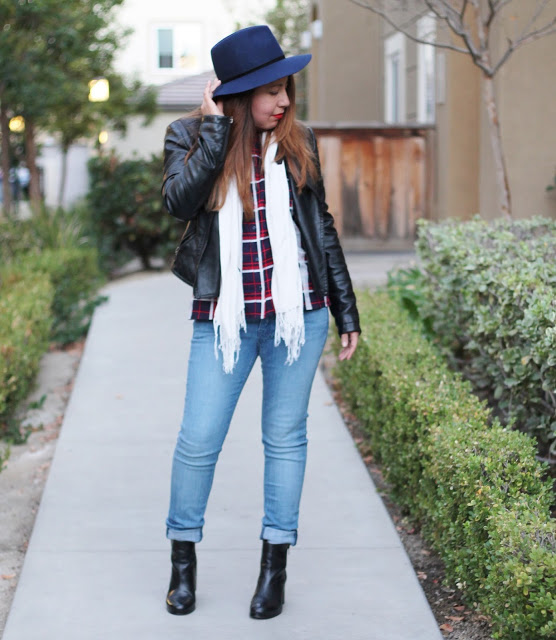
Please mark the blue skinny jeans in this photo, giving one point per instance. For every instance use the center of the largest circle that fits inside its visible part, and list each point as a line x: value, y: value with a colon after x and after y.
x: 205, y: 423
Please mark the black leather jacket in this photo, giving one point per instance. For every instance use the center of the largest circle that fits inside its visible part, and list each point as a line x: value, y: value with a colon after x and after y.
x: 186, y: 188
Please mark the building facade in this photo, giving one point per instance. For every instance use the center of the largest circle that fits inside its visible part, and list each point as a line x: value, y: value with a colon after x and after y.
x: 171, y: 39
x: 364, y: 71
x: 169, y: 42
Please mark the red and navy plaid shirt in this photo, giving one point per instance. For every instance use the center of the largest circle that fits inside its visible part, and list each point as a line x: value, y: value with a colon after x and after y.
x: 257, y: 260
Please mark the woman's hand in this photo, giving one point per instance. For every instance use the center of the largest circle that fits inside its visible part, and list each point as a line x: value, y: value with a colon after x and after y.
x: 209, y: 107
x: 349, y: 344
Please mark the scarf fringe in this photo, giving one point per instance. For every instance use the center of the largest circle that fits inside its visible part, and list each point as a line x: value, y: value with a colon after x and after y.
x: 229, y: 342
x: 291, y: 329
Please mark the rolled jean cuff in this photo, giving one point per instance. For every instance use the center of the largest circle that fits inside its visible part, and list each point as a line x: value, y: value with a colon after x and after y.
x: 185, y: 535
x: 279, y: 536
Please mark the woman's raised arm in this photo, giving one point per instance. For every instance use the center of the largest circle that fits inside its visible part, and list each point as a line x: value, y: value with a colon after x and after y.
x: 187, y: 185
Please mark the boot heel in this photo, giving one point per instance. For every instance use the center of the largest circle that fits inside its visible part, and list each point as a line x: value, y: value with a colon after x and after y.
x: 181, y: 594
x: 269, y: 594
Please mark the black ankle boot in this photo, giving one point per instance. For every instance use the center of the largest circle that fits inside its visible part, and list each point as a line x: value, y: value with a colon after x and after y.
x: 269, y: 594
x: 181, y: 594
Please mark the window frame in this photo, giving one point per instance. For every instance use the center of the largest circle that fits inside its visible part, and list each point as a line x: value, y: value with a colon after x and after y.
x: 395, y: 111
x: 176, y: 40
x: 426, y: 29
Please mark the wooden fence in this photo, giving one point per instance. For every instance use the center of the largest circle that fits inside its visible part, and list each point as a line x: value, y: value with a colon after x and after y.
x: 378, y: 179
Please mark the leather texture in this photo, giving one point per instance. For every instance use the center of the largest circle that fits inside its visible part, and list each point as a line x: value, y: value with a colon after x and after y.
x: 181, y: 593
x: 194, y: 154
x: 268, y: 598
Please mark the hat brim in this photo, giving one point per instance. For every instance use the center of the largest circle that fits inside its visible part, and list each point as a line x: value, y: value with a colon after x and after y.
x: 260, y: 77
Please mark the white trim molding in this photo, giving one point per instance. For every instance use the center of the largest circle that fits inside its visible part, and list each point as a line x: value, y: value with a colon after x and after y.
x: 426, y: 30
x: 394, y: 78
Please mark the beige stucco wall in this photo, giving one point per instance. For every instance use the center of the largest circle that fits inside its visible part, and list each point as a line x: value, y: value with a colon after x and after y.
x: 344, y: 86
x: 457, y: 150
x: 526, y: 90
x: 345, y: 75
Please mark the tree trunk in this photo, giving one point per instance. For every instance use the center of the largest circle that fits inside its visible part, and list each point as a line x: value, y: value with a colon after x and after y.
x: 504, y: 198
x: 64, y: 174
x: 5, y: 129
x: 31, y: 158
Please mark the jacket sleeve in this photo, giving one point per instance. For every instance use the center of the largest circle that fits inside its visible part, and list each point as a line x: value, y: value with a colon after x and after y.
x: 187, y: 185
x: 342, y: 297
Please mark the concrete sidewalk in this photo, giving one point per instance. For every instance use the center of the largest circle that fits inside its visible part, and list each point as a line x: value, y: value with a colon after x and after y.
x: 98, y: 562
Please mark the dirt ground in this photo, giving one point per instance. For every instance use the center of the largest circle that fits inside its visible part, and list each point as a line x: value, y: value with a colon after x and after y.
x: 24, y: 475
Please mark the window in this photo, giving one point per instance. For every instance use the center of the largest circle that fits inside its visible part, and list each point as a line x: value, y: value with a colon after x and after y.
x: 165, y: 49
x: 178, y: 47
x: 425, y: 70
x: 394, y: 73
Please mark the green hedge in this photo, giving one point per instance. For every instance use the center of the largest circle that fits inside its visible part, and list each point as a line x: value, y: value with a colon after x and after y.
x: 127, y: 214
x: 47, y: 228
x: 489, y: 295
x: 475, y: 486
x: 76, y: 277
x: 44, y: 297
x: 25, y: 324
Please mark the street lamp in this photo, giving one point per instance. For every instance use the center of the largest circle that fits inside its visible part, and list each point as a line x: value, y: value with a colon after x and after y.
x: 17, y: 124
x: 99, y: 90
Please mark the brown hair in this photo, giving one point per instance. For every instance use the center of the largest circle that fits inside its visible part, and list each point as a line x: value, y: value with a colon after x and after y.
x: 293, y: 145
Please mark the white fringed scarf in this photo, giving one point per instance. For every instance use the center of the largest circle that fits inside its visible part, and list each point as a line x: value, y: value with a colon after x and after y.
x: 287, y: 293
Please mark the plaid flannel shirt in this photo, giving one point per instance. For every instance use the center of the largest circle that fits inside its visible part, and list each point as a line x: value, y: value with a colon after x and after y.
x: 257, y: 259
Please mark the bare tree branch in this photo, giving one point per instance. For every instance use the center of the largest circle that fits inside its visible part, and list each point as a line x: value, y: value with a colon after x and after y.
x: 534, y: 35
x: 500, y: 4
x: 459, y: 28
x: 492, y: 13
x: 475, y: 33
x: 405, y: 31
x: 463, y: 8
x: 481, y: 30
x: 445, y: 11
x: 541, y: 6
x: 539, y: 33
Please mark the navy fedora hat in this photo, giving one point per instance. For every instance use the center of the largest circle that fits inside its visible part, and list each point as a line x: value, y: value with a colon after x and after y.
x: 250, y: 58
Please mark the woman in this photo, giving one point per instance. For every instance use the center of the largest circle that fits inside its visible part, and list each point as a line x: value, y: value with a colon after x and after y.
x: 263, y: 257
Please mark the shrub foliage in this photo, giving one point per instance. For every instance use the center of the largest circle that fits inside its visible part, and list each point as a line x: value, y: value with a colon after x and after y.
x: 75, y: 276
x: 127, y: 213
x: 25, y: 323
x: 489, y: 294
x: 48, y: 284
x: 476, y: 486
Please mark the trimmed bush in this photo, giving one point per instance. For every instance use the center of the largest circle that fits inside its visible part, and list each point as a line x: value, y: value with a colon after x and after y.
x: 48, y: 285
x: 489, y: 296
x: 127, y: 213
x: 76, y: 277
x: 25, y: 323
x: 474, y: 485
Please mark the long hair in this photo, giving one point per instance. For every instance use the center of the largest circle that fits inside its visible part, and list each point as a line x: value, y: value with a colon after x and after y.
x: 293, y: 145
